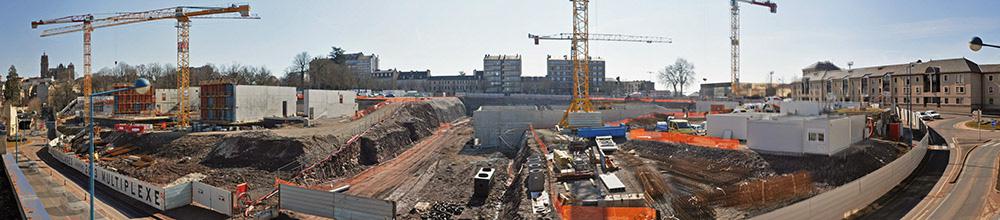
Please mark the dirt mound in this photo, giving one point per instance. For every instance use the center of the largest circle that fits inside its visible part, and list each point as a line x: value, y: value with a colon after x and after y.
x: 263, y: 150
x: 257, y: 157
x: 709, y: 158
x: 834, y: 171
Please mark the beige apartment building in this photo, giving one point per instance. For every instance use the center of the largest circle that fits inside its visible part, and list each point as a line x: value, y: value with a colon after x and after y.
x: 952, y: 85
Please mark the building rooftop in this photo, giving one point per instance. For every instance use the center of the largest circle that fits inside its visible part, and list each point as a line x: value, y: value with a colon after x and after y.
x: 414, y: 74
x: 466, y: 77
x: 502, y: 57
x: 564, y: 57
x: 954, y: 65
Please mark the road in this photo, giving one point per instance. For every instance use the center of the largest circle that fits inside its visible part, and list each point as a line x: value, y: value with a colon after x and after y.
x: 967, y: 188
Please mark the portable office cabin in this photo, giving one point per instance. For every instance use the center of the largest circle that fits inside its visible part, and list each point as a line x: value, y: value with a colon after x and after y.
x: 823, y: 135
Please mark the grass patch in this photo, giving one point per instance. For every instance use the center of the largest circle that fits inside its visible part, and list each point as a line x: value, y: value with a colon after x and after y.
x: 984, y: 125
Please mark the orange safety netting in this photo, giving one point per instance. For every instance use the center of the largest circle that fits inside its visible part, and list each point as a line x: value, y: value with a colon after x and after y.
x: 595, y: 212
x: 640, y: 134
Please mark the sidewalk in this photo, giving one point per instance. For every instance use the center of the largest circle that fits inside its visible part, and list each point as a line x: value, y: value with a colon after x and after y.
x: 61, y: 197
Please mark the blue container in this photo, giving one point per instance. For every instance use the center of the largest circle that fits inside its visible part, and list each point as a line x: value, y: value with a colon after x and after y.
x: 617, y: 131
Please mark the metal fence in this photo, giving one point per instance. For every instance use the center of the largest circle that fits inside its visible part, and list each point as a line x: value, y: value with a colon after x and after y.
x: 334, y: 205
x: 162, y: 198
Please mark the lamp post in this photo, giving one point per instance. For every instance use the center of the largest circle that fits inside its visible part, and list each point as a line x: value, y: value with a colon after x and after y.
x: 975, y: 45
x: 141, y: 86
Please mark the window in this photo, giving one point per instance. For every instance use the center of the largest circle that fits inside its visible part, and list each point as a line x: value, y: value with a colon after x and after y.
x: 945, y: 78
x: 991, y: 101
x: 990, y: 78
x: 991, y: 90
x: 958, y: 100
x: 960, y: 89
x: 945, y: 100
x: 817, y: 136
x: 945, y: 89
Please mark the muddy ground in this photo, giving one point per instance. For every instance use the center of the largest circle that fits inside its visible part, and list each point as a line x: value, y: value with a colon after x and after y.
x: 692, y: 170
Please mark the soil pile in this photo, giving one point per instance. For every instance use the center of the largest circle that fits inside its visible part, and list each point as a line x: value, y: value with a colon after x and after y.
x: 257, y: 157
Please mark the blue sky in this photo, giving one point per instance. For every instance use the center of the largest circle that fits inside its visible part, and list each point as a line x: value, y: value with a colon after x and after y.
x: 447, y: 36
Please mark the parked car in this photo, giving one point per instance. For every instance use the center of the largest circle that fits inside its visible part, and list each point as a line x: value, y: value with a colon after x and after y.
x: 681, y: 126
x: 933, y: 114
x: 924, y: 116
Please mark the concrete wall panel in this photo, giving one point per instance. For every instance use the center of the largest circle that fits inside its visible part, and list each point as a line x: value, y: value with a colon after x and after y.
x: 253, y: 103
x: 329, y: 103
x: 718, y: 124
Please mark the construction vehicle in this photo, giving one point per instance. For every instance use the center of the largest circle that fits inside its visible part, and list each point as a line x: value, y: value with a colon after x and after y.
x: 183, y: 14
x: 681, y: 126
x: 580, y: 54
x: 735, y: 37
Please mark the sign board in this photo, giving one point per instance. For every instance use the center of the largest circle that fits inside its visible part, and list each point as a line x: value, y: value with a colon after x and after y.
x: 144, y: 192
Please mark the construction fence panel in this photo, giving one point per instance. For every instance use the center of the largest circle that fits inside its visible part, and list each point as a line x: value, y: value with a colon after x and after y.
x: 334, y: 205
x: 216, y: 199
x: 348, y: 207
x: 144, y: 192
x: 178, y: 195
x: 850, y: 198
x: 313, y: 202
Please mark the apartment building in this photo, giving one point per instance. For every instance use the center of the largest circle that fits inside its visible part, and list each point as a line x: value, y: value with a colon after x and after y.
x: 954, y: 85
x: 560, y: 73
x: 502, y: 73
x: 361, y: 64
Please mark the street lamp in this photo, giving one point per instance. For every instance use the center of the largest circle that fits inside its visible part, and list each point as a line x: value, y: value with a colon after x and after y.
x: 142, y: 87
x: 977, y: 44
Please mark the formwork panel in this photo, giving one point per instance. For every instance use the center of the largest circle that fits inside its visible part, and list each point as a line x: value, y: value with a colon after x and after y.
x: 131, y: 103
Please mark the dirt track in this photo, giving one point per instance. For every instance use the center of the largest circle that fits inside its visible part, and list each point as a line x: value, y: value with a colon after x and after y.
x: 402, y: 172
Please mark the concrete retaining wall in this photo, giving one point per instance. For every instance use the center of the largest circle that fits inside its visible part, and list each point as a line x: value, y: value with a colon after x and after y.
x: 849, y: 198
x: 509, y: 122
x: 329, y: 103
x: 253, y: 103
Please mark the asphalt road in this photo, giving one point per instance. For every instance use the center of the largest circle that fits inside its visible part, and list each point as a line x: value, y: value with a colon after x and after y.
x: 967, y: 196
x: 974, y: 185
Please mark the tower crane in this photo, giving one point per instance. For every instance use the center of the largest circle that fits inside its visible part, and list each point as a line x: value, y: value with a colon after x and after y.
x: 183, y: 14
x: 735, y: 37
x: 580, y: 55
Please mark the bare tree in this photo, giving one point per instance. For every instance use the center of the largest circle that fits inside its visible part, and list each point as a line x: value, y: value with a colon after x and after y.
x: 678, y: 75
x: 685, y: 74
x: 300, y: 64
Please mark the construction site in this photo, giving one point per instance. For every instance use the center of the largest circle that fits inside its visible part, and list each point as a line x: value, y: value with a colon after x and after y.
x: 235, y: 150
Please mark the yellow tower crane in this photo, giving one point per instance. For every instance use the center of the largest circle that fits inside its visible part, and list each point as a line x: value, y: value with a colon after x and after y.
x: 183, y: 14
x: 580, y: 55
x: 734, y: 39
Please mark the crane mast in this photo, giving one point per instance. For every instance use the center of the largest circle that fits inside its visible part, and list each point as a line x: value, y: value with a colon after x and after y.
x: 580, y: 55
x: 183, y: 14
x: 734, y: 38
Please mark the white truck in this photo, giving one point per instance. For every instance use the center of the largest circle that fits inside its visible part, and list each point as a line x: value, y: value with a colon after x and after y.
x: 606, y: 144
